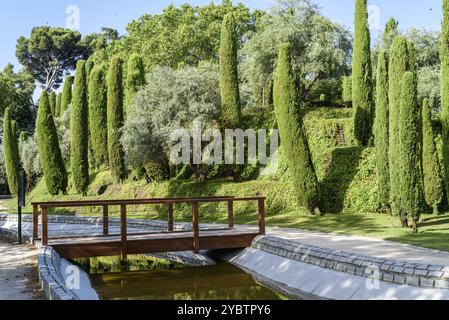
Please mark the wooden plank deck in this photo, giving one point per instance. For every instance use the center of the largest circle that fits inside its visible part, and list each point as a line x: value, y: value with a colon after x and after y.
x: 125, y: 244
x: 102, y: 246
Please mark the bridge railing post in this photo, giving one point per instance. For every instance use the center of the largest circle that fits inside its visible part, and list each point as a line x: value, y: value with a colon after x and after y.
x: 124, y: 234
x: 44, y: 226
x: 231, y: 213
x: 35, y: 222
x: 196, y: 227
x: 261, y: 216
x: 170, y: 217
x: 105, y: 220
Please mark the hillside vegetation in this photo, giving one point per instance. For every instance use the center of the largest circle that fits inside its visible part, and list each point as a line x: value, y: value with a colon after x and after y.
x: 346, y: 173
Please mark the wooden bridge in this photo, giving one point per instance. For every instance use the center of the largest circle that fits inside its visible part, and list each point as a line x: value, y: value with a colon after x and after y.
x: 126, y: 243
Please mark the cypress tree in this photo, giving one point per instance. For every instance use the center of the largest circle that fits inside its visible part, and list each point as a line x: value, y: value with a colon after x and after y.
x: 58, y: 105
x: 80, y: 131
x: 11, y: 153
x: 22, y: 139
x: 409, y: 150
x: 433, y: 184
x: 293, y: 137
x: 381, y: 134
x: 115, y: 118
x: 66, y: 99
x: 98, y: 120
x: 398, y: 65
x: 135, y: 77
x: 14, y: 127
x: 53, y: 103
x: 347, y: 90
x: 362, y: 91
x: 229, y: 80
x: 49, y: 151
x: 444, y: 57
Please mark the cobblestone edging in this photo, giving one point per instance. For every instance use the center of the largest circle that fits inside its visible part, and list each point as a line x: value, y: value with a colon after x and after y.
x: 392, y: 271
x: 50, y: 278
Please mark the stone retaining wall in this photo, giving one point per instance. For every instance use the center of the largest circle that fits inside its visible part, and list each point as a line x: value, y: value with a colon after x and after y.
x: 392, y: 271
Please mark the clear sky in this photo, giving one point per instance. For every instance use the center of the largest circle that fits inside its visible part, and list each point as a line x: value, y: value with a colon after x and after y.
x: 17, y: 17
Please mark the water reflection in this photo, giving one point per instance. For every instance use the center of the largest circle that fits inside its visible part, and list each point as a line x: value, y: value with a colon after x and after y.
x: 171, y: 282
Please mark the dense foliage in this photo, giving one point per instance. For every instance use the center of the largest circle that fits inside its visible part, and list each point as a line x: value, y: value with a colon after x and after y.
x: 444, y: 57
x: 362, y: 90
x: 229, y: 79
x: 50, y: 156
x: 49, y: 52
x: 381, y: 133
x: 321, y: 49
x: 115, y: 118
x: 171, y: 100
x: 409, y: 157
x: 399, y: 63
x: 293, y: 137
x: 11, y: 153
x: 79, y: 129
x: 66, y: 98
x: 98, y: 120
x: 433, y: 184
x: 135, y: 78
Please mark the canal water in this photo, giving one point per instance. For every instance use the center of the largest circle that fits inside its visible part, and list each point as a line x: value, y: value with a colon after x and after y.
x: 153, y: 279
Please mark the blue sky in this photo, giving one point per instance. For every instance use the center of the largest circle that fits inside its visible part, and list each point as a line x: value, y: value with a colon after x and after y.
x: 17, y: 17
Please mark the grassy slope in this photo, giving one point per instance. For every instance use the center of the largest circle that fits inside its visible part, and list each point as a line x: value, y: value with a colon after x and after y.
x: 346, y: 173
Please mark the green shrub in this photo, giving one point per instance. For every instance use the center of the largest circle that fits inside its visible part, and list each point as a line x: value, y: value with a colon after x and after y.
x: 115, y: 118
x: 381, y: 135
x: 347, y: 90
x: 322, y: 97
x: 11, y: 153
x: 399, y: 63
x: 98, y: 120
x: 66, y: 98
x: 444, y: 57
x: 58, y: 105
x: 293, y: 137
x: 362, y: 91
x: 229, y: 79
x: 49, y: 152
x: 53, y: 103
x: 409, y: 157
x: 433, y: 184
x: 79, y: 131
x: 135, y: 78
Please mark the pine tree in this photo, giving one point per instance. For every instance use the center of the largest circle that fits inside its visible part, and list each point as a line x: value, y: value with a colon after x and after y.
x: 381, y: 134
x: 11, y: 153
x: 229, y: 80
x: 53, y: 103
x: 433, y: 184
x: 115, y: 119
x: 79, y: 131
x: 66, y: 99
x: 293, y: 137
x: 362, y: 91
x: 98, y: 120
x: 444, y: 57
x: 399, y: 63
x: 49, y: 151
x: 347, y: 91
x: 410, y: 173
x: 58, y: 104
x: 135, y: 78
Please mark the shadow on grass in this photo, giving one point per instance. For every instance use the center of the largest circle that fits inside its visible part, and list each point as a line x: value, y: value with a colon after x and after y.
x: 340, y: 174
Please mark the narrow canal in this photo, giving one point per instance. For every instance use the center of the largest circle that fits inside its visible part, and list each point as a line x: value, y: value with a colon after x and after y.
x: 153, y: 279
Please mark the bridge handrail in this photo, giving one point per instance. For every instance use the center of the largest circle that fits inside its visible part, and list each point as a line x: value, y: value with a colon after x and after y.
x: 170, y: 202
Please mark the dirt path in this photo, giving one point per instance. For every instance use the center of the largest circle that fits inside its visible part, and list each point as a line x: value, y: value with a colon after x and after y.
x: 18, y: 273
